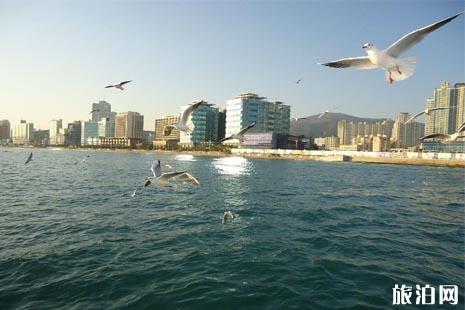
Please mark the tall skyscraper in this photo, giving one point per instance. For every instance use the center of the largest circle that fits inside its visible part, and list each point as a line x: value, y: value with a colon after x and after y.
x: 23, y: 133
x: 445, y: 121
x: 55, y: 126
x: 248, y: 108
x: 4, y: 131
x: 205, y: 121
x: 130, y: 125
x: 89, y: 133
x: 406, y: 135
x: 106, y: 128
x: 74, y: 133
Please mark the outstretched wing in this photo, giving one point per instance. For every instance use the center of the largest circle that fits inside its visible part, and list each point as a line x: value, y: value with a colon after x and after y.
x: 440, y: 108
x: 414, y: 117
x: 226, y: 138
x: 188, y: 111
x: 168, y: 175
x: 414, y: 37
x: 109, y: 86
x: 322, y: 114
x: 362, y: 62
x: 29, y: 158
x: 124, y: 82
x: 461, y: 128
x: 435, y: 135
x: 244, y: 130
x: 156, y: 168
x: 187, y: 177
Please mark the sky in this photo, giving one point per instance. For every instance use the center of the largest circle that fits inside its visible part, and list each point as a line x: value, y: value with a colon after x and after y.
x: 57, y: 56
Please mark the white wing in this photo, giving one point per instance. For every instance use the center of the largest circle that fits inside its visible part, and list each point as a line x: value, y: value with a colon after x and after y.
x: 441, y: 108
x: 168, y: 175
x: 461, y: 128
x: 415, y: 37
x: 322, y: 114
x: 436, y: 135
x: 188, y: 111
x: 187, y: 177
x: 156, y: 169
x: 362, y: 62
x: 414, y: 117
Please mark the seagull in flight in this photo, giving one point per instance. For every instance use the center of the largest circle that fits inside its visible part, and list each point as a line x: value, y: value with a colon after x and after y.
x: 298, y: 81
x: 29, y: 159
x: 427, y: 112
x: 94, y: 110
x: 240, y: 134
x: 119, y: 86
x: 160, y: 177
x: 186, y: 177
x: 396, y: 69
x: 184, y: 117
x: 453, y: 137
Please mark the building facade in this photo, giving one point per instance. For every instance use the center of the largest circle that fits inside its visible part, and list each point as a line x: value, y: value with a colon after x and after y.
x: 89, y: 133
x: 5, y: 129
x: 74, y: 133
x: 248, y: 108
x: 23, y: 133
x: 55, y: 126
x: 130, y: 125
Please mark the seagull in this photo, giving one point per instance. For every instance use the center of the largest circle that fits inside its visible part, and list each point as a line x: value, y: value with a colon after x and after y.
x: 327, y: 111
x: 184, y: 117
x: 158, y: 176
x: 298, y: 81
x: 227, y: 216
x: 168, y: 166
x: 119, y: 86
x: 134, y: 193
x: 94, y: 110
x: 240, y: 134
x: 446, y: 137
x: 396, y: 69
x: 427, y: 112
x: 29, y: 159
x: 82, y: 161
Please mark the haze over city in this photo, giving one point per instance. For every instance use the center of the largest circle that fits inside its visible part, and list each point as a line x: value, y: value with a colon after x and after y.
x: 57, y: 57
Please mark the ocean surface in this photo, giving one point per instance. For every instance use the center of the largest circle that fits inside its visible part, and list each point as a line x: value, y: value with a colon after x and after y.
x: 308, y: 235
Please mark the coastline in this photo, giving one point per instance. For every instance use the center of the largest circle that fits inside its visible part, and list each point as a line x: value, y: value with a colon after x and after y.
x: 450, y: 163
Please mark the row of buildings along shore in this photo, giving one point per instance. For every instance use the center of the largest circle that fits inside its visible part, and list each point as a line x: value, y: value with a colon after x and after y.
x: 107, y: 128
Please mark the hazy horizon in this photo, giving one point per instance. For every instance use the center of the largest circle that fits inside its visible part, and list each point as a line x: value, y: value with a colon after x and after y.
x: 59, y: 56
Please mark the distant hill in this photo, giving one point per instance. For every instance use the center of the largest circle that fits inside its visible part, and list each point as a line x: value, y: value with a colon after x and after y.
x: 312, y: 126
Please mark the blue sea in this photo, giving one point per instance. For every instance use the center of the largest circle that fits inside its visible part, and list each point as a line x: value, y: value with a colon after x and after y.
x: 308, y: 235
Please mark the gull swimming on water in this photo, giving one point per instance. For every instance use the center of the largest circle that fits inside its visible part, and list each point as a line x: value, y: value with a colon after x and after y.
x: 227, y: 216
x: 396, y: 69
x: 119, y: 86
x: 453, y: 137
x: 29, y: 159
x: 184, y: 117
x: 240, y: 134
x: 427, y: 112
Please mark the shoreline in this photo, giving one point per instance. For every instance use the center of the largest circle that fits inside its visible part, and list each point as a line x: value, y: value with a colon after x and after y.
x: 449, y: 163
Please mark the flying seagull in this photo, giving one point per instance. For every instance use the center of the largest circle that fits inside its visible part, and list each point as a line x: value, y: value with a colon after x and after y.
x: 427, y: 112
x: 119, y: 86
x: 396, y: 69
x: 227, y: 216
x: 29, y: 159
x: 240, y: 134
x: 446, y: 137
x: 298, y: 81
x: 187, y: 178
x: 327, y: 111
x: 94, y: 110
x: 158, y: 176
x: 183, y: 118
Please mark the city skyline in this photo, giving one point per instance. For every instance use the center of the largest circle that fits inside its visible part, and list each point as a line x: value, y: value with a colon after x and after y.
x: 63, y: 65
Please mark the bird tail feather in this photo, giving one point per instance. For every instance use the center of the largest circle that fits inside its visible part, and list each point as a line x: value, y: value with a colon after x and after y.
x: 406, y: 67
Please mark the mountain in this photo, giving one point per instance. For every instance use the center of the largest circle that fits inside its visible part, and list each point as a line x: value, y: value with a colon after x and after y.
x: 312, y: 126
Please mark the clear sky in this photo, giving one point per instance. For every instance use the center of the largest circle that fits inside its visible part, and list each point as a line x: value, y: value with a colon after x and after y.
x: 56, y: 56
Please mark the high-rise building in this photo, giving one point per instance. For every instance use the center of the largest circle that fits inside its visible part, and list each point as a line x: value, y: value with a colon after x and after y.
x: 248, y: 108
x: 89, y: 133
x: 23, y: 133
x: 221, y: 123
x: 41, y: 137
x: 74, y: 133
x: 347, y: 131
x: 445, y: 121
x: 55, y: 126
x: 161, y: 140
x: 381, y: 143
x: 4, y: 131
x: 106, y: 127
x: 205, y: 122
x: 130, y: 125
x: 406, y: 135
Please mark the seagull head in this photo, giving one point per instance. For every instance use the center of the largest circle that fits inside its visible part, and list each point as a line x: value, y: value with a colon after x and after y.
x: 367, y: 46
